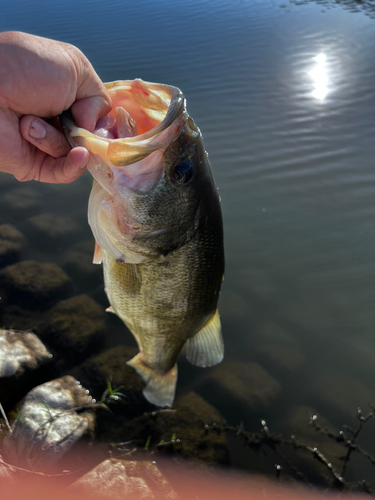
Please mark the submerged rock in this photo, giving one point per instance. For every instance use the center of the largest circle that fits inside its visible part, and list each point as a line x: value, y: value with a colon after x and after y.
x: 31, y: 284
x: 111, y: 365
x: 10, y: 233
x: 124, y: 480
x: 78, y: 264
x: 17, y: 318
x: 12, y: 243
x: 22, y: 200
x: 10, y: 252
x: 276, y: 347
x: 246, y: 383
x: 22, y: 357
x: 179, y: 431
x: 74, y: 328
x: 344, y: 393
x: 48, y: 425
x: 50, y: 229
x: 186, y: 426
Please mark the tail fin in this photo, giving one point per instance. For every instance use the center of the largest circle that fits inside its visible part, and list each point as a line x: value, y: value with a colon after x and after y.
x: 160, y: 386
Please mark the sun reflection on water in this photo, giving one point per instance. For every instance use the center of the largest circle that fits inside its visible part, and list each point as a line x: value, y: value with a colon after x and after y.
x: 319, y: 75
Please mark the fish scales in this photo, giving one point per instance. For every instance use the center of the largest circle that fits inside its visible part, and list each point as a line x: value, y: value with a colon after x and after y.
x: 155, y: 214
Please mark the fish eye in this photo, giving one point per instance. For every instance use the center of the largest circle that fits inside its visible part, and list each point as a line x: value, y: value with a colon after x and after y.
x: 183, y: 172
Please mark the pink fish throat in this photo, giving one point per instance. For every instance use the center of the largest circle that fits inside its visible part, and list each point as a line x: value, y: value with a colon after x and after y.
x: 123, y: 125
x: 142, y: 174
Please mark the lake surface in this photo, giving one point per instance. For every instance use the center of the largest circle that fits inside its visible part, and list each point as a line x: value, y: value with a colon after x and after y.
x: 284, y: 94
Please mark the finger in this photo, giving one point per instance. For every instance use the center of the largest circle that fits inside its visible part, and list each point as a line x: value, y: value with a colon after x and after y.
x: 86, y: 112
x: 44, y: 136
x: 92, y: 98
x: 74, y: 165
x: 62, y: 170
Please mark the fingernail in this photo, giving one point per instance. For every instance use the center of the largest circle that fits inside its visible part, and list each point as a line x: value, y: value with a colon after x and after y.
x: 37, y: 130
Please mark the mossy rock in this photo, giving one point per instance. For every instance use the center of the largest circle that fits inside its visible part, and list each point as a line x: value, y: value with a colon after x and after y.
x: 179, y: 432
x: 74, y: 328
x: 51, y: 230
x: 111, y: 365
x: 12, y: 244
x: 32, y: 285
x: 78, y: 264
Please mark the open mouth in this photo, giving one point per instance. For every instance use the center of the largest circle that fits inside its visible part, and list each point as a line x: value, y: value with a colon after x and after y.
x: 145, y: 119
x: 137, y: 109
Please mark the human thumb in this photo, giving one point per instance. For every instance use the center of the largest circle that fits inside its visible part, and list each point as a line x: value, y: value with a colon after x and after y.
x: 86, y: 112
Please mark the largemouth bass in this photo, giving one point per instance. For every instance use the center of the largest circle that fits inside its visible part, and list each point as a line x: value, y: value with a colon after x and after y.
x: 155, y: 214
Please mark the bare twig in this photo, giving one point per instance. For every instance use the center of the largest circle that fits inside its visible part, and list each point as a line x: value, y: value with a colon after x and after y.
x: 14, y: 468
x: 343, y: 440
x: 362, y: 421
x: 5, y: 419
x: 256, y: 440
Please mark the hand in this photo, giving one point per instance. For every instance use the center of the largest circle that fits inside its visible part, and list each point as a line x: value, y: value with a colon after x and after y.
x: 39, y: 79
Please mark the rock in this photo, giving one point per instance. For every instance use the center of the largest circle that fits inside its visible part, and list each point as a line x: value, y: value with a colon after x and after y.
x: 21, y: 200
x: 10, y: 253
x: 111, y: 365
x: 20, y: 350
x: 47, y: 425
x: 271, y: 332
x: 16, y: 318
x: 33, y: 285
x: 186, y: 423
x: 11, y: 245
x: 124, y: 480
x: 247, y: 383
x: 78, y: 264
x: 283, y: 355
x: 276, y: 347
x: 10, y: 233
x: 74, y: 328
x: 179, y: 431
x: 49, y: 229
x: 23, y: 360
x: 345, y: 393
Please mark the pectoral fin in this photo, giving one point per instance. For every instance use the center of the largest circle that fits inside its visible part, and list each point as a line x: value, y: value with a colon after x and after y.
x: 206, y: 348
x: 98, y: 255
x: 160, y: 386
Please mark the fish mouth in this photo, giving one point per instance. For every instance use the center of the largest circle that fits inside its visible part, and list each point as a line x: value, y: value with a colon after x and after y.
x: 154, y: 108
x: 145, y: 119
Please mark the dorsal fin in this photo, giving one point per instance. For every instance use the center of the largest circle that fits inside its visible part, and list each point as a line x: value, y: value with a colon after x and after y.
x: 206, y: 348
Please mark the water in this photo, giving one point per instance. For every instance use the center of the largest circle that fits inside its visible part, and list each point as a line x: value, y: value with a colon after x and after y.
x: 284, y: 94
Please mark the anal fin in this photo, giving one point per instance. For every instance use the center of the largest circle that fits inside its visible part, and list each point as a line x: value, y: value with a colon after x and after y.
x: 160, y: 386
x: 206, y: 348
